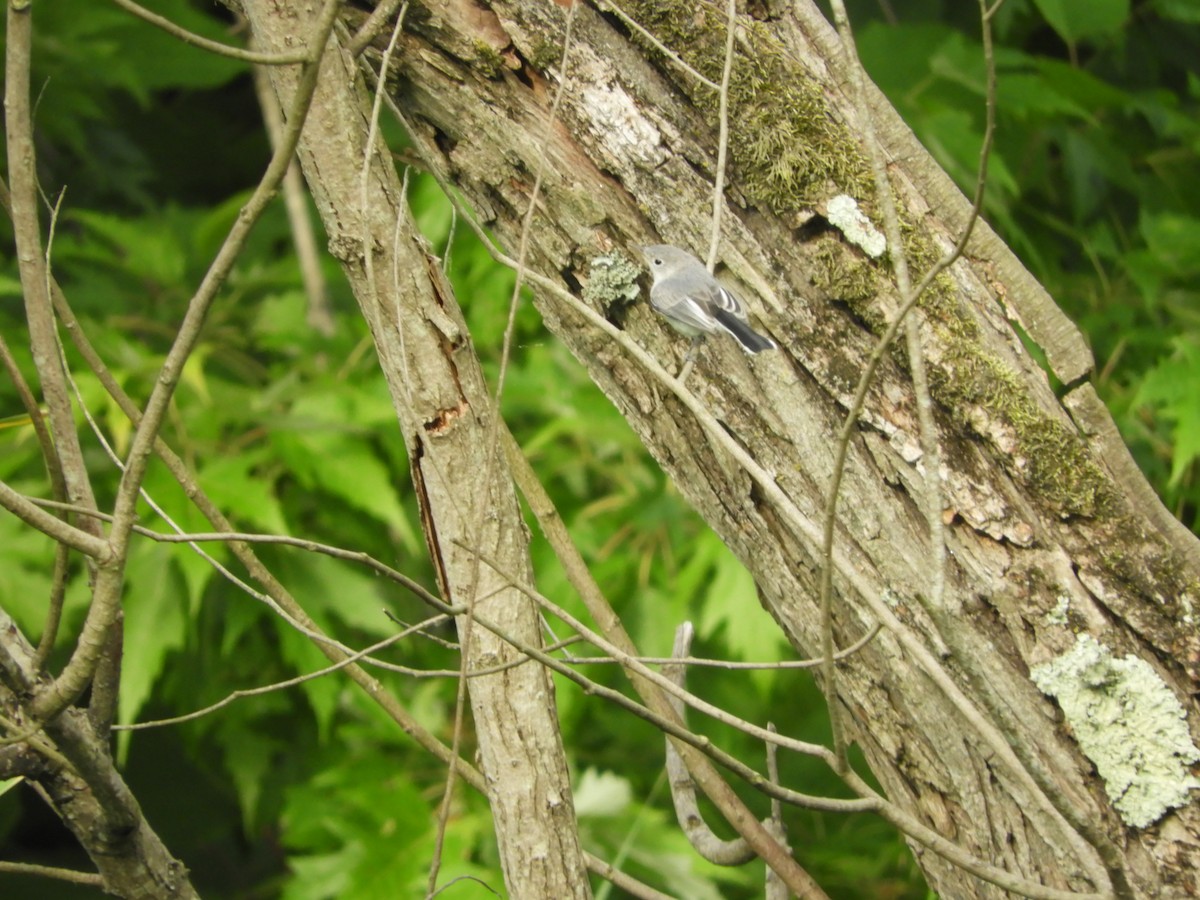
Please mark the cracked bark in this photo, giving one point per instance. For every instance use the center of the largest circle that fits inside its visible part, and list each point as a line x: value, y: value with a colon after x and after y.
x: 444, y: 411
x: 1036, y: 517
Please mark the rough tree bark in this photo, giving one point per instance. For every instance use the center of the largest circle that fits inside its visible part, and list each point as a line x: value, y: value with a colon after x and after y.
x: 1063, y: 568
x: 462, y: 483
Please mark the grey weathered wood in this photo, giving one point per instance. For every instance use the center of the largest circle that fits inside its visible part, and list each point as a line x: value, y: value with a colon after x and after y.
x: 463, y: 488
x: 1048, y: 531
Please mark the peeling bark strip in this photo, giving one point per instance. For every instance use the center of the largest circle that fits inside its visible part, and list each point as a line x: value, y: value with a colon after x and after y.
x: 445, y: 418
x: 1050, y: 534
x: 443, y: 408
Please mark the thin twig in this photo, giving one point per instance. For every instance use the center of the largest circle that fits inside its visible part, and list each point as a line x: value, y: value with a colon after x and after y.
x: 74, y: 876
x: 659, y: 45
x: 734, y: 852
x: 718, y: 203
x: 775, y: 889
x: 659, y: 680
x: 267, y: 688
x: 31, y: 259
x: 52, y: 526
x: 75, y: 675
x: 379, y: 17
x: 183, y: 537
x: 106, y: 680
x: 295, y: 202
x: 196, y: 40
x: 731, y: 665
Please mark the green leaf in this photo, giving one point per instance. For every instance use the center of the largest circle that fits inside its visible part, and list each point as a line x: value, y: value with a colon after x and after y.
x: 1075, y: 20
x: 731, y: 607
x: 248, y: 755
x: 1170, y: 388
x: 24, y: 577
x: 140, y: 247
x: 330, y: 589
x: 162, y: 61
x: 140, y: 58
x: 1083, y: 88
x: 155, y: 623
x: 7, y: 784
x: 326, y: 452
x: 1186, y: 11
x: 234, y: 483
x: 362, y: 830
x: 1173, y: 240
x: 318, y: 876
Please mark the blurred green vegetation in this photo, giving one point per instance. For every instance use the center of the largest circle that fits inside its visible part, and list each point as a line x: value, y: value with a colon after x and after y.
x: 311, y: 792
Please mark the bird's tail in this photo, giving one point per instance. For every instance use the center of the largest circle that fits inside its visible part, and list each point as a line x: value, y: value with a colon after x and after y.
x: 751, y: 340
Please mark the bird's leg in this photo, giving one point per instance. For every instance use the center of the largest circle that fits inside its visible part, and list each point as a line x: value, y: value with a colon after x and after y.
x: 690, y: 358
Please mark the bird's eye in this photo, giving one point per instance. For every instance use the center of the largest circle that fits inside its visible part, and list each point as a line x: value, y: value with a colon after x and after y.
x: 658, y: 262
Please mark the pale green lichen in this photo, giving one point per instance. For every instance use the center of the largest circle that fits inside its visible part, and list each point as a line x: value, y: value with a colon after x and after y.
x: 846, y: 216
x: 612, y: 281
x: 1128, y: 723
x: 1058, y: 615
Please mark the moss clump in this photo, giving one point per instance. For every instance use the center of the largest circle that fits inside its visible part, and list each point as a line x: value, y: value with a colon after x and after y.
x: 488, y: 59
x: 940, y: 302
x: 786, y: 148
x: 1060, y: 468
x: 845, y: 276
x: 1051, y: 459
x: 545, y: 55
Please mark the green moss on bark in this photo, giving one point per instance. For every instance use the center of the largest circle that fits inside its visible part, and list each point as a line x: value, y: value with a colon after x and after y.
x: 788, y: 151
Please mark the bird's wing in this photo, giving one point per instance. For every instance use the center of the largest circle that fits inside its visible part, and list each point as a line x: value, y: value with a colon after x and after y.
x: 725, y: 299
x: 709, y: 296
x: 687, y: 310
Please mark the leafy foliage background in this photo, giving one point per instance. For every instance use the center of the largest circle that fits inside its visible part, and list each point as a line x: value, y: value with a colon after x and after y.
x: 311, y: 793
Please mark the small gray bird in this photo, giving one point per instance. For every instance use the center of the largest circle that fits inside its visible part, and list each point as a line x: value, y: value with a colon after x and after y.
x: 693, y: 302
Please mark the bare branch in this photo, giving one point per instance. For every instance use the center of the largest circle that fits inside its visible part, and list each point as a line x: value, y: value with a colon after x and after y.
x: 718, y: 203
x: 90, y: 879
x: 31, y: 261
x: 295, y: 201
x: 106, y: 597
x: 683, y: 788
x: 196, y: 40
x: 76, y: 538
x: 380, y: 16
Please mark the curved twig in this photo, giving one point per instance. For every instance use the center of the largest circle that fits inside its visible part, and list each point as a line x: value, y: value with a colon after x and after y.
x: 196, y: 40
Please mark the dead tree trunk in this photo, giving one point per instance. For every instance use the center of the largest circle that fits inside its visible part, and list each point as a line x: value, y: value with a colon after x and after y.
x: 466, y: 497
x: 1069, y: 588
